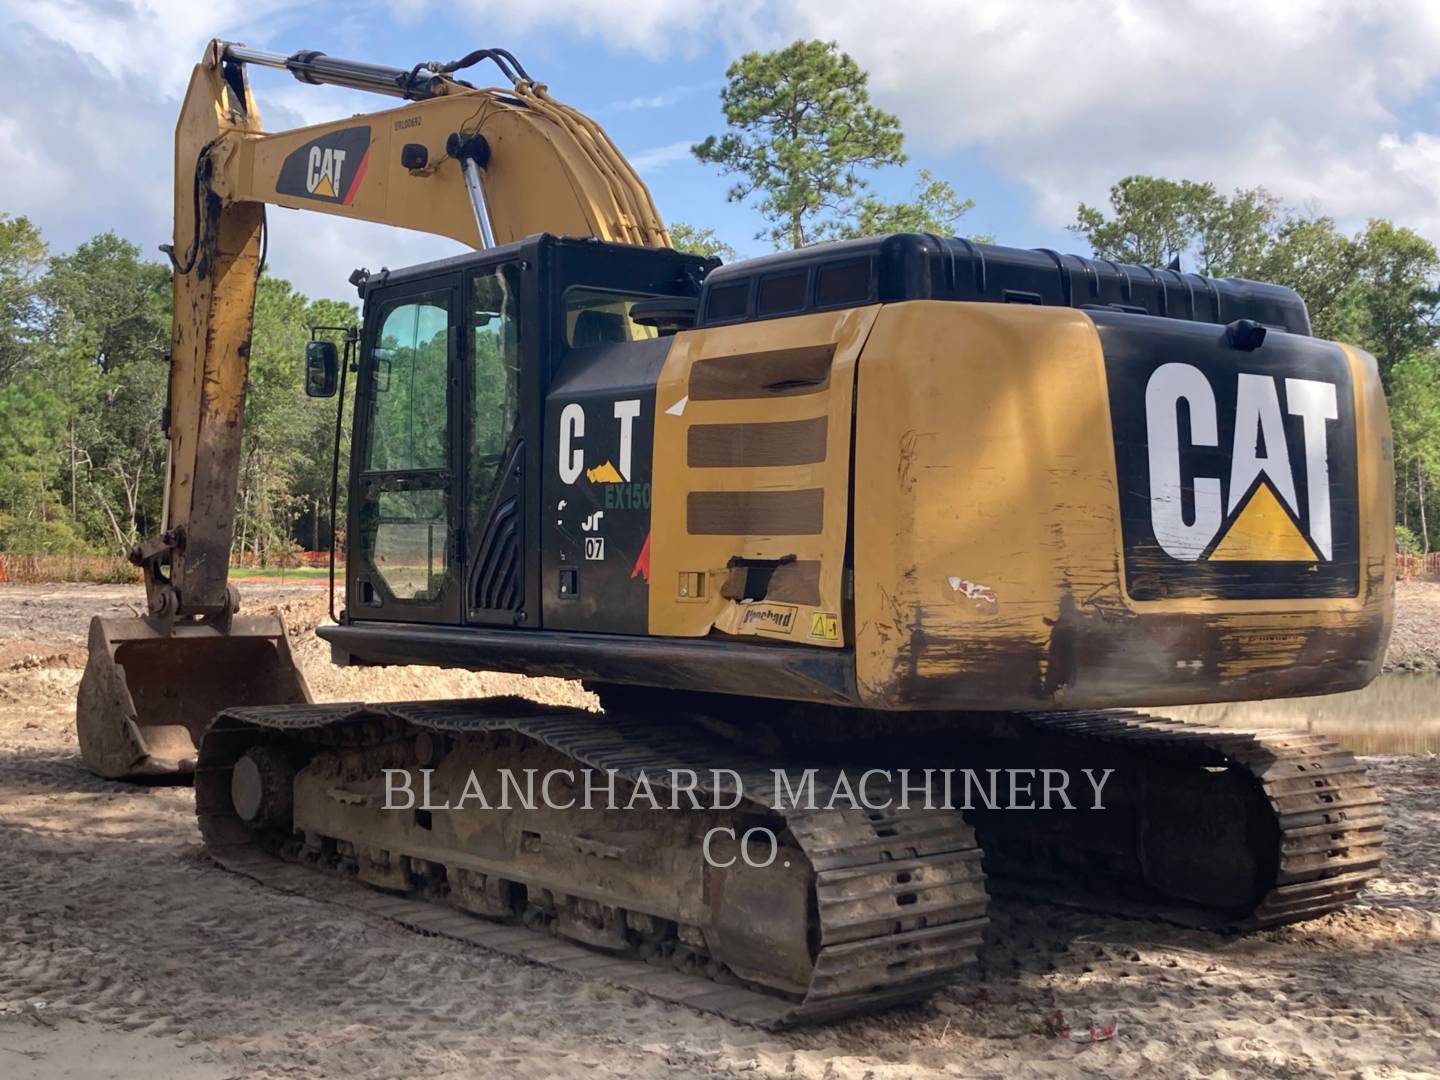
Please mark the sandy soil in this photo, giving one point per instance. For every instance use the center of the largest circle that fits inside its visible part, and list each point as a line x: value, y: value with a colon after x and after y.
x: 1415, y: 640
x: 125, y: 954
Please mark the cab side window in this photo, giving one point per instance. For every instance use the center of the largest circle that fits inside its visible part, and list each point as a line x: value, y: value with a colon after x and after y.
x: 408, y: 421
x: 405, y: 503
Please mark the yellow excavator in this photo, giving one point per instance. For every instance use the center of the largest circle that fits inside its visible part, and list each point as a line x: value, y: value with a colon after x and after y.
x: 870, y: 551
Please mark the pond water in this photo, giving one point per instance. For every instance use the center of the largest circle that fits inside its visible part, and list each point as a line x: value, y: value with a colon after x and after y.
x: 1399, y: 713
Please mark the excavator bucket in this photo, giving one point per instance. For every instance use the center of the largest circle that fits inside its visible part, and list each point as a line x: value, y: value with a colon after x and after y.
x: 149, y: 692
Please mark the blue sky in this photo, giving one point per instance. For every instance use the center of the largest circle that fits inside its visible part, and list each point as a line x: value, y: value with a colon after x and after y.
x: 1026, y: 108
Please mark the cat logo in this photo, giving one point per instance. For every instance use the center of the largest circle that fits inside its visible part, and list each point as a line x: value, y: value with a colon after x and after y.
x: 327, y: 165
x: 330, y: 168
x: 1236, y: 470
x: 572, y: 444
x: 1259, y: 519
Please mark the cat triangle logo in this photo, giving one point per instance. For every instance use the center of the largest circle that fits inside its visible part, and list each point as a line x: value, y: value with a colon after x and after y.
x: 1263, y: 531
x: 325, y: 188
x: 1260, y: 521
x: 1237, y: 474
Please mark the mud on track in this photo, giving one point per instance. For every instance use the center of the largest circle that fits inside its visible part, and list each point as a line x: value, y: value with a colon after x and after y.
x: 153, y: 962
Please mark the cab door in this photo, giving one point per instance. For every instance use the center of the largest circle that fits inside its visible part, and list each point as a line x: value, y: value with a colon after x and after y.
x: 501, y: 391
x: 405, y: 519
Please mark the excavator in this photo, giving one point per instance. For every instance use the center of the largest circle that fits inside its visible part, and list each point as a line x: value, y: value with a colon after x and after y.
x: 825, y: 531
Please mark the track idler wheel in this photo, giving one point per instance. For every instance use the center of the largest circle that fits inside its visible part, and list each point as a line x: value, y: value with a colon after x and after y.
x: 262, y: 787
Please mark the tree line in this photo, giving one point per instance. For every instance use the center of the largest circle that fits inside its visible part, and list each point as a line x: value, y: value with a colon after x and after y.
x: 84, y: 373
x: 84, y: 336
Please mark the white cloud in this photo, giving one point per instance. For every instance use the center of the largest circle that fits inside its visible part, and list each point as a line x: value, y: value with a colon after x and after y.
x: 317, y: 252
x: 654, y: 28
x: 664, y: 99
x: 158, y: 40
x: 1302, y: 96
x: 71, y: 157
x: 657, y: 157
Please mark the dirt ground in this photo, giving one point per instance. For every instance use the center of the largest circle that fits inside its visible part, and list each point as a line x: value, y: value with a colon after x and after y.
x: 124, y: 953
x: 1415, y: 641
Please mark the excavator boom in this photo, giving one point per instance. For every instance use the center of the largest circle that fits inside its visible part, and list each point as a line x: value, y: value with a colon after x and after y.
x: 481, y: 166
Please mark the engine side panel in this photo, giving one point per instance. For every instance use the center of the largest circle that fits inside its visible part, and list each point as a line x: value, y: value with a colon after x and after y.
x: 991, y: 553
x: 752, y: 480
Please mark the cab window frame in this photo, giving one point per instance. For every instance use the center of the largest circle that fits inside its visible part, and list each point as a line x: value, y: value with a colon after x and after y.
x: 512, y: 272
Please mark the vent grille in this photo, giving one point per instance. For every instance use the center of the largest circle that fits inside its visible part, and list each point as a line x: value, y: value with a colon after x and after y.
x: 498, y: 576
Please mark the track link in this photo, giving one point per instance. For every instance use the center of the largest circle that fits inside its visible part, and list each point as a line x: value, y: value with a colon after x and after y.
x: 896, y: 900
x: 1225, y: 828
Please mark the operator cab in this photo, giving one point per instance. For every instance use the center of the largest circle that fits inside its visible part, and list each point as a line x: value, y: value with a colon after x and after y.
x: 452, y: 471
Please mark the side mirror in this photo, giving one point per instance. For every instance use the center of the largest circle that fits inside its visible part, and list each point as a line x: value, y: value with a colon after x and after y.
x: 322, y: 362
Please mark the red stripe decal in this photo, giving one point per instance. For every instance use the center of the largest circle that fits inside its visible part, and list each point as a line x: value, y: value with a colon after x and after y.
x: 355, y: 181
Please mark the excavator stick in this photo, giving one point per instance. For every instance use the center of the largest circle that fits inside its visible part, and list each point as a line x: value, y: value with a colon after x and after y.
x: 150, y: 691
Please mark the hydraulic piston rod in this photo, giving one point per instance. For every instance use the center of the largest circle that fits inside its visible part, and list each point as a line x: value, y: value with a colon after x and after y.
x: 315, y: 67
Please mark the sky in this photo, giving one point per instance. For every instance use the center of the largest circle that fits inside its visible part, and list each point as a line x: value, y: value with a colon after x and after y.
x: 1026, y: 107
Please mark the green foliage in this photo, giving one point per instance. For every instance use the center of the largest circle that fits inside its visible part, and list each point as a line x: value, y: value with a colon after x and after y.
x: 801, y: 129
x: 698, y: 241
x: 1311, y: 256
x: 108, y: 323
x: 22, y: 257
x: 51, y: 534
x: 83, y: 381
x: 1406, y: 542
x: 1414, y: 397
x: 287, y: 444
x: 1391, y: 310
x: 1377, y: 288
x: 936, y: 208
x: 1153, y: 221
x: 29, y: 466
x: 105, y: 291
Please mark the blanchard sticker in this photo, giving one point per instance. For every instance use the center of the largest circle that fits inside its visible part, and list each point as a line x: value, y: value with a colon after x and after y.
x: 769, y: 618
x: 1237, y: 469
x: 329, y: 168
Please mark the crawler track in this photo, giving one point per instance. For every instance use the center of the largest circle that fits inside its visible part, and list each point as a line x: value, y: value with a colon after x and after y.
x: 888, y: 906
x: 1208, y: 826
x: 1202, y: 826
